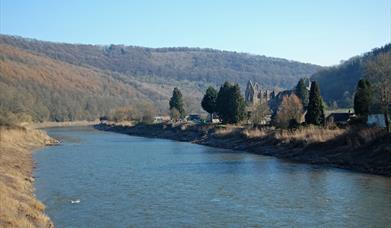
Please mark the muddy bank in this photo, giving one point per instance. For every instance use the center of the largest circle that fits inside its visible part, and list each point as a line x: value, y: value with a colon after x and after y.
x: 18, y: 205
x: 365, y: 150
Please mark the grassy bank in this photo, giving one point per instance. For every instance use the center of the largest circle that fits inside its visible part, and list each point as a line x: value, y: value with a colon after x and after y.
x: 48, y: 124
x: 19, y: 207
x: 356, y: 148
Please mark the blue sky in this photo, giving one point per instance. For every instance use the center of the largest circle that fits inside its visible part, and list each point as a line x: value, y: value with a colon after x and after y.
x: 321, y: 32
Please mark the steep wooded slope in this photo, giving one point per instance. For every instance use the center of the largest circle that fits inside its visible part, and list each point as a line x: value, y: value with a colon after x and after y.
x: 338, y: 83
x: 58, y: 81
x: 177, y: 64
x: 48, y: 89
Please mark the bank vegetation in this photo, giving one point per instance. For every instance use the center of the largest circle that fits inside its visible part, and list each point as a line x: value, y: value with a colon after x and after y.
x: 18, y: 204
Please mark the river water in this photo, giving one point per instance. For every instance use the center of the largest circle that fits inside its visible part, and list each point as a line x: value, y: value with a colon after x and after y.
x: 102, y: 179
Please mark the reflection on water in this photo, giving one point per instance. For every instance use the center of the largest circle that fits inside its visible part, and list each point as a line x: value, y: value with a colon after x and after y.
x: 100, y: 179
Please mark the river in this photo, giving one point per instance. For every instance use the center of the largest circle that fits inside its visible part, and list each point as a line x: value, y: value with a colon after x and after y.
x: 103, y: 179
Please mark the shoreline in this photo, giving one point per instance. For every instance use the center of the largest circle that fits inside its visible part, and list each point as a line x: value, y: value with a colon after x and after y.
x: 19, y: 205
x: 52, y: 124
x: 347, y: 149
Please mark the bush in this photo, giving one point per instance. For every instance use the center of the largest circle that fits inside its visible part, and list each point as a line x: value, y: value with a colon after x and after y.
x: 291, y: 108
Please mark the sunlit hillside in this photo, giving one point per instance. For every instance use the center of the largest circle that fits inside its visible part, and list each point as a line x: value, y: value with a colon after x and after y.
x: 57, y: 81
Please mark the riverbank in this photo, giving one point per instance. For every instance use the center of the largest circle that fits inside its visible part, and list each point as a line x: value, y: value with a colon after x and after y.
x: 360, y: 149
x: 50, y: 124
x: 19, y: 206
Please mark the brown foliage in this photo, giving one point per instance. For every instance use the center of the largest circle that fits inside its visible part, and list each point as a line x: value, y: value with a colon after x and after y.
x: 50, y: 89
x: 260, y: 113
x: 291, y: 108
x: 173, y: 64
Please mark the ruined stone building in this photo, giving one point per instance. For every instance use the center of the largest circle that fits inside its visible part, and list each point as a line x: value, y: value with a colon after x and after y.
x: 255, y: 95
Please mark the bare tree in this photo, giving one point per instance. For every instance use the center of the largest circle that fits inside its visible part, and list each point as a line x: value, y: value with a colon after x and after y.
x: 378, y: 72
x: 259, y: 113
x: 147, y: 112
x: 291, y: 108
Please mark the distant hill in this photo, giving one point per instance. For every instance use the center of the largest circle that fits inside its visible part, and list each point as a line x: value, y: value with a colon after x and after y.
x: 338, y: 83
x: 192, y: 64
x: 48, y: 89
x: 59, y: 81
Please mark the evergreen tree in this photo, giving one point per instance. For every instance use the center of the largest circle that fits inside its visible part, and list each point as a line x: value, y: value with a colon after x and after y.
x: 362, y: 99
x: 239, y: 105
x: 209, y: 100
x: 174, y: 114
x: 176, y: 102
x: 222, y: 101
x: 230, y: 104
x: 302, y: 92
x: 315, y: 112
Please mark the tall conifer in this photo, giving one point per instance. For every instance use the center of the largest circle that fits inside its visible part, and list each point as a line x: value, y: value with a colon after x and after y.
x: 176, y: 102
x: 230, y: 103
x: 208, y: 102
x: 362, y: 99
x: 315, y: 110
x: 302, y: 92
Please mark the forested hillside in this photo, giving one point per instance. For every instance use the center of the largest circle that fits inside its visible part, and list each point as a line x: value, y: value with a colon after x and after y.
x: 58, y: 81
x: 192, y: 64
x: 338, y: 83
x: 37, y: 87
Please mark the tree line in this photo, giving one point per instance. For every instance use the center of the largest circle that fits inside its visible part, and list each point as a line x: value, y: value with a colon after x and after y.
x: 177, y: 64
x: 229, y: 105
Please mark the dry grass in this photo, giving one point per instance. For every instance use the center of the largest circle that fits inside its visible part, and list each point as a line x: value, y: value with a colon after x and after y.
x: 49, y: 124
x: 226, y: 131
x: 19, y: 207
x: 254, y: 133
x: 310, y: 134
